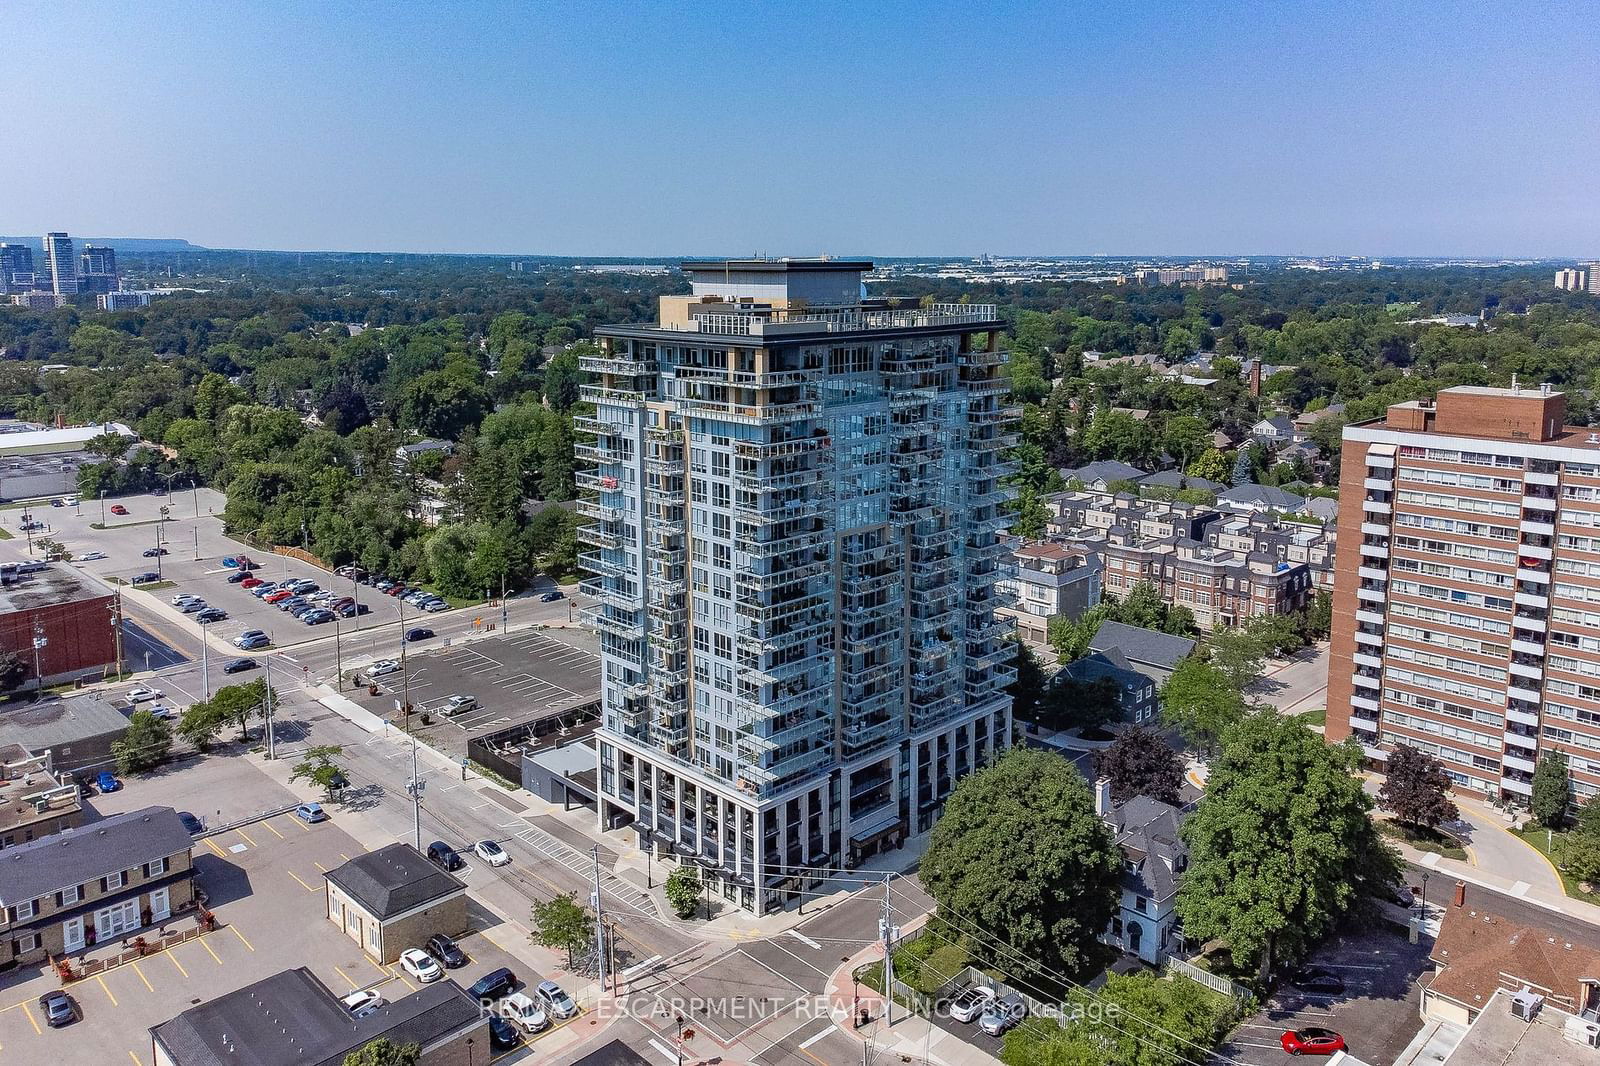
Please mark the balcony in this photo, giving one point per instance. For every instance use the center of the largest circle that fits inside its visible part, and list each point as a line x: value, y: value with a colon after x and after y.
x: 1517, y: 762
x: 1520, y: 787
x: 1364, y: 725
x: 1383, y: 484
x: 1374, y: 551
x: 1373, y: 573
x: 1521, y: 692
x: 1381, y: 461
x: 1364, y: 659
x: 1366, y: 636
x: 1367, y: 681
x: 1522, y: 717
x: 1529, y: 599
x: 1535, y: 527
x: 1375, y: 529
x: 1533, y: 576
x: 1366, y: 703
x: 1535, y: 551
x: 1371, y: 618
x: 1532, y: 670
x: 1372, y: 595
x: 1541, y: 504
x: 1376, y: 507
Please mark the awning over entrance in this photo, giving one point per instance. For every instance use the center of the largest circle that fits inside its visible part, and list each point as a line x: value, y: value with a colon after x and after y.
x: 876, y: 830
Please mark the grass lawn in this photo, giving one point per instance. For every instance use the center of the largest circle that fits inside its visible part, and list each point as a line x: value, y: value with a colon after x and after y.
x: 1424, y: 840
x: 1318, y: 716
x: 1534, y: 837
x: 5, y: 534
x: 154, y: 586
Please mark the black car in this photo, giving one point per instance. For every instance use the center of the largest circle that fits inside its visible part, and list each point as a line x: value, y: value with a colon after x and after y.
x: 552, y: 596
x: 420, y: 633
x: 239, y: 666
x: 445, y: 950
x: 211, y: 614
x: 493, y: 985
x: 502, y: 1034
x: 144, y: 578
x: 151, y: 553
x: 58, y: 1008
x: 238, y: 576
x: 190, y: 822
x: 1317, y: 979
x: 444, y: 856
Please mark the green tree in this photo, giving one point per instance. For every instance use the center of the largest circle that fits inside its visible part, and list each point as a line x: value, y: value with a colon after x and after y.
x: 144, y: 744
x: 1416, y: 789
x: 240, y: 703
x: 108, y: 445
x: 1142, y: 607
x: 14, y: 670
x: 1140, y: 762
x: 1319, y: 616
x: 1030, y: 515
x: 1273, y: 868
x: 1201, y: 703
x: 562, y: 923
x: 1577, y: 851
x: 1211, y: 465
x: 383, y: 1052
x: 321, y: 767
x: 1148, y: 1021
x: 1550, y: 790
x: 1020, y: 850
x: 202, y: 723
x: 683, y: 891
x: 1088, y: 706
x: 1185, y: 438
x: 1238, y: 654
x: 1029, y: 685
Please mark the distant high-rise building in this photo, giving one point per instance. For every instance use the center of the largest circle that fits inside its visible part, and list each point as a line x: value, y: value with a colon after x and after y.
x: 97, y: 269
x: 124, y: 301
x: 1573, y: 279
x: 798, y: 500
x: 38, y: 300
x: 16, y: 268
x: 61, y: 264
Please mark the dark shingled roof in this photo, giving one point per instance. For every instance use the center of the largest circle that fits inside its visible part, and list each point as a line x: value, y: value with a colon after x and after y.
x: 1141, y: 645
x: 75, y: 856
x: 292, y: 1019
x: 393, y: 880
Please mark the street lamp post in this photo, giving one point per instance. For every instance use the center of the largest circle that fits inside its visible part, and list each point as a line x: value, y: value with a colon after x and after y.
x: 1424, y: 894
x: 679, y: 1046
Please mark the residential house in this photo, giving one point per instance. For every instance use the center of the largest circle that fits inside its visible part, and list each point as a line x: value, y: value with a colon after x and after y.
x: 1154, y: 858
x: 394, y: 898
x: 1274, y: 431
x: 1176, y: 479
x: 1305, y: 420
x: 92, y: 884
x: 1322, y: 508
x: 1101, y: 473
x: 1479, y: 953
x: 250, y: 1026
x: 1138, y: 660
x: 35, y: 801
x: 1251, y: 498
x: 1045, y: 582
x: 404, y: 454
x: 1223, y: 441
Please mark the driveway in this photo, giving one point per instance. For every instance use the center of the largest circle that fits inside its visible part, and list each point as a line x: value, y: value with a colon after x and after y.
x: 1296, y: 684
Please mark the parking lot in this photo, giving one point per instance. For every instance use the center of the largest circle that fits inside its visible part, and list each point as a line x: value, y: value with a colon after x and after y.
x: 264, y: 881
x: 508, y: 676
x: 1376, y: 1014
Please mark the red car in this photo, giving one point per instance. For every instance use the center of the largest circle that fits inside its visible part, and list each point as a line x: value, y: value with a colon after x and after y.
x: 251, y: 582
x: 277, y: 597
x: 1311, y: 1041
x: 117, y: 508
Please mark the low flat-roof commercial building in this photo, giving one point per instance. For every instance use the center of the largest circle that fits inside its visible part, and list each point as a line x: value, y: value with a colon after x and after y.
x: 394, y: 898
x: 76, y: 731
x: 71, y: 611
x: 70, y: 439
x: 250, y: 1027
x: 84, y: 886
x: 35, y: 800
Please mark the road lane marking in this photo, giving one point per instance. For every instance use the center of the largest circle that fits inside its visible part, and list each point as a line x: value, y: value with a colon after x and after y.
x: 242, y: 940
x: 106, y: 989
x: 627, y: 975
x: 302, y: 884
x: 135, y: 1057
x: 212, y: 844
x: 807, y: 1043
x: 148, y: 986
x: 665, y: 1052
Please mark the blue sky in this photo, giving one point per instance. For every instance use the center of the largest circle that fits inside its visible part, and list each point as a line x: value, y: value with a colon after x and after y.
x: 792, y: 128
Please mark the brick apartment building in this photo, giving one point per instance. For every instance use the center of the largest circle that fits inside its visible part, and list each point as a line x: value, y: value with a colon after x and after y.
x: 1227, y: 569
x: 1467, y: 599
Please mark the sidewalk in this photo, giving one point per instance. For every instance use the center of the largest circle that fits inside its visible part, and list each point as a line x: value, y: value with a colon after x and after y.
x: 912, y: 1038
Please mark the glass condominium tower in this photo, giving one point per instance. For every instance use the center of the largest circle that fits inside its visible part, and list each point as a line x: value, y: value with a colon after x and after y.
x: 796, y: 505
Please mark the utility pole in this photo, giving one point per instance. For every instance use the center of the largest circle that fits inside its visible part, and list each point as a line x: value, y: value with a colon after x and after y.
x: 205, y: 665
x: 39, y: 641
x: 102, y: 508
x: 886, y: 930
x: 158, y: 555
x: 195, y: 489
x: 505, y: 619
x: 599, y: 921
x: 270, y: 728
x: 116, y: 628
x: 338, y: 656
x: 415, y: 787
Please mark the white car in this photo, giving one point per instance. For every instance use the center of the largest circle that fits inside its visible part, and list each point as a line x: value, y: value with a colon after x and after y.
x: 381, y: 667
x: 492, y: 853
x: 360, y: 1004
x: 458, y: 705
x: 971, y: 1002
x: 420, y: 964
x: 161, y: 710
x: 522, y: 1009
x: 89, y: 557
x: 183, y: 597
x: 555, y: 999
x: 141, y: 694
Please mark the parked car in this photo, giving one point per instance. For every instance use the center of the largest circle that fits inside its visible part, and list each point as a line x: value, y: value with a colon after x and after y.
x: 161, y: 710
x: 555, y: 1000
x: 106, y: 781
x: 302, y: 587
x: 525, y: 1011
x: 251, y: 583
x: 382, y: 667
x: 311, y: 813
x: 277, y: 596
x: 444, y: 855
x: 142, y: 694
x: 211, y: 614
x: 239, y: 666
x: 58, y: 502
x: 193, y: 606
x: 362, y: 1003
x: 317, y: 617
x: 145, y: 578
x: 182, y: 598
x: 191, y: 823
x: 493, y: 985
x: 971, y: 1002
x: 1005, y: 1012
x: 58, y: 1008
x: 419, y: 633
x: 350, y: 610
x: 255, y: 643
x: 1317, y: 979
x: 230, y: 561
x: 552, y: 596
x: 420, y: 964
x: 503, y: 1036
x: 444, y: 949
x: 383, y: 584
x: 151, y: 553
x: 117, y: 508
x: 89, y: 557
x: 246, y: 635
x: 1312, y: 1041
x: 492, y: 853
x: 434, y: 606
x: 291, y: 604
x: 238, y: 577
x: 458, y: 705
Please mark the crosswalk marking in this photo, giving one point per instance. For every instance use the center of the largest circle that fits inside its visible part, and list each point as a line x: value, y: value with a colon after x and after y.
x: 582, y: 864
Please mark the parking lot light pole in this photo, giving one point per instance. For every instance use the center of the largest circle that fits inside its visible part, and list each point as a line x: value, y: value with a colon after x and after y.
x: 102, y: 508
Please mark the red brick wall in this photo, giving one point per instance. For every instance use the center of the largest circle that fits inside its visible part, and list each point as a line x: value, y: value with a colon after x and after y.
x: 79, y: 635
x: 1347, y: 560
x: 1530, y: 417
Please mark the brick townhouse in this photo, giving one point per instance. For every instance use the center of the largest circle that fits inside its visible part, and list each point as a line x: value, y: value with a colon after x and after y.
x: 68, y: 892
